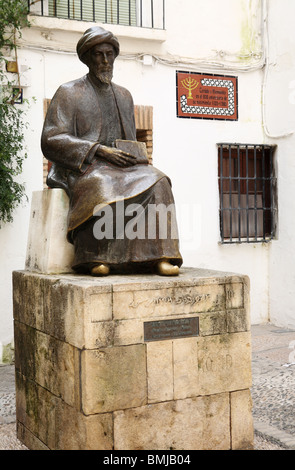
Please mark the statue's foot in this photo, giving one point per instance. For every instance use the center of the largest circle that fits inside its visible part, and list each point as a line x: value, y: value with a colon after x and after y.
x: 100, y: 270
x: 167, y: 269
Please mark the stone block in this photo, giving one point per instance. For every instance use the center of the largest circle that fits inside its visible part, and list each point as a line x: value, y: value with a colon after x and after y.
x: 28, y: 438
x: 48, y: 250
x: 237, y: 321
x: 160, y: 371
x: 213, y: 364
x: 36, y: 410
x: 178, y: 300
x: 75, y: 431
x: 48, y: 362
x: 241, y: 420
x: 224, y: 363
x: 213, y: 323
x: 185, y: 368
x: 113, y: 378
x: 192, y: 424
x: 28, y: 299
x: 69, y: 308
x: 47, y: 422
x: 234, y: 293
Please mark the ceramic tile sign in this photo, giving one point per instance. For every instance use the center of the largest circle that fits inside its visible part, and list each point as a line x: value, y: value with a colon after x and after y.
x: 207, y: 96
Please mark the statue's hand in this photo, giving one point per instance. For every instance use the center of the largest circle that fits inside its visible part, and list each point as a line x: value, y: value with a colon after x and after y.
x: 116, y: 156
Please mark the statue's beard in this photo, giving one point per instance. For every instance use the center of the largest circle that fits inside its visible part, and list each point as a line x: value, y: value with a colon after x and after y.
x: 105, y: 76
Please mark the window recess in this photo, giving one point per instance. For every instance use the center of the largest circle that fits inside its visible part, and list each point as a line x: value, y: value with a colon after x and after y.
x: 247, y: 193
x: 141, y: 13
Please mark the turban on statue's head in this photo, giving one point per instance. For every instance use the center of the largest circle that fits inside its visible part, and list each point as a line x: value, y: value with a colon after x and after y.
x: 92, y: 37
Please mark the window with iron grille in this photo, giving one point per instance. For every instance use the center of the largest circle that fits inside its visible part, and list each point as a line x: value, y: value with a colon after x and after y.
x: 142, y: 13
x: 109, y: 11
x: 247, y: 192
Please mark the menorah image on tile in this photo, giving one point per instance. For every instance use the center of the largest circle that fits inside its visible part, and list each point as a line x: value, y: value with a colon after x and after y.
x: 190, y: 84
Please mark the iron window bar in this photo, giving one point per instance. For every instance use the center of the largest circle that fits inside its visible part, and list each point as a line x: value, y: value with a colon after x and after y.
x: 141, y: 13
x: 247, y: 195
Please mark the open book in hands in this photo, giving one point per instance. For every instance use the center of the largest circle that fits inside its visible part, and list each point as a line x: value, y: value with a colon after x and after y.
x: 137, y: 149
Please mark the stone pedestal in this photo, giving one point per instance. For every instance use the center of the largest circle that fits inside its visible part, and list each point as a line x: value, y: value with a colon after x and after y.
x: 133, y: 362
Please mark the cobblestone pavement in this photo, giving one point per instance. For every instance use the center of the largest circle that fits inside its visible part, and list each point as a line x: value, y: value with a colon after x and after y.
x: 8, y: 439
x: 273, y: 392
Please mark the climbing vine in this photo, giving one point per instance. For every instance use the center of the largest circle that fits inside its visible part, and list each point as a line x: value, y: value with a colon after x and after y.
x: 13, y: 17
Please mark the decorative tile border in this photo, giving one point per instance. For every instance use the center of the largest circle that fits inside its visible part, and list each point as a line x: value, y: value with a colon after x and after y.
x: 206, y: 96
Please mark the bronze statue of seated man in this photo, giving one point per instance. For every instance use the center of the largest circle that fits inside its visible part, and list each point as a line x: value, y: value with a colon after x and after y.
x: 89, y: 136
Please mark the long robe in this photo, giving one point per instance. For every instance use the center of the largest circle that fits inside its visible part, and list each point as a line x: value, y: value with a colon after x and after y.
x: 78, y: 120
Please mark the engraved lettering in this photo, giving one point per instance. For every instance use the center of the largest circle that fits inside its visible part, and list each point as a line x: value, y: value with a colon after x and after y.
x: 215, y: 364
x: 228, y: 361
x: 230, y: 294
x: 177, y: 300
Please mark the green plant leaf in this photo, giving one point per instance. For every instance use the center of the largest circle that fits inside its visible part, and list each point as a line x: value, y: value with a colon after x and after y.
x: 13, y: 17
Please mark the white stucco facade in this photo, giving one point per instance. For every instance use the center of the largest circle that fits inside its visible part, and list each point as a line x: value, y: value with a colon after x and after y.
x: 252, y: 40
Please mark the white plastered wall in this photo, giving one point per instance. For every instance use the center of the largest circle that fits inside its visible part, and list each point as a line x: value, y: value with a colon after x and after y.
x: 280, y: 116
x: 184, y: 149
